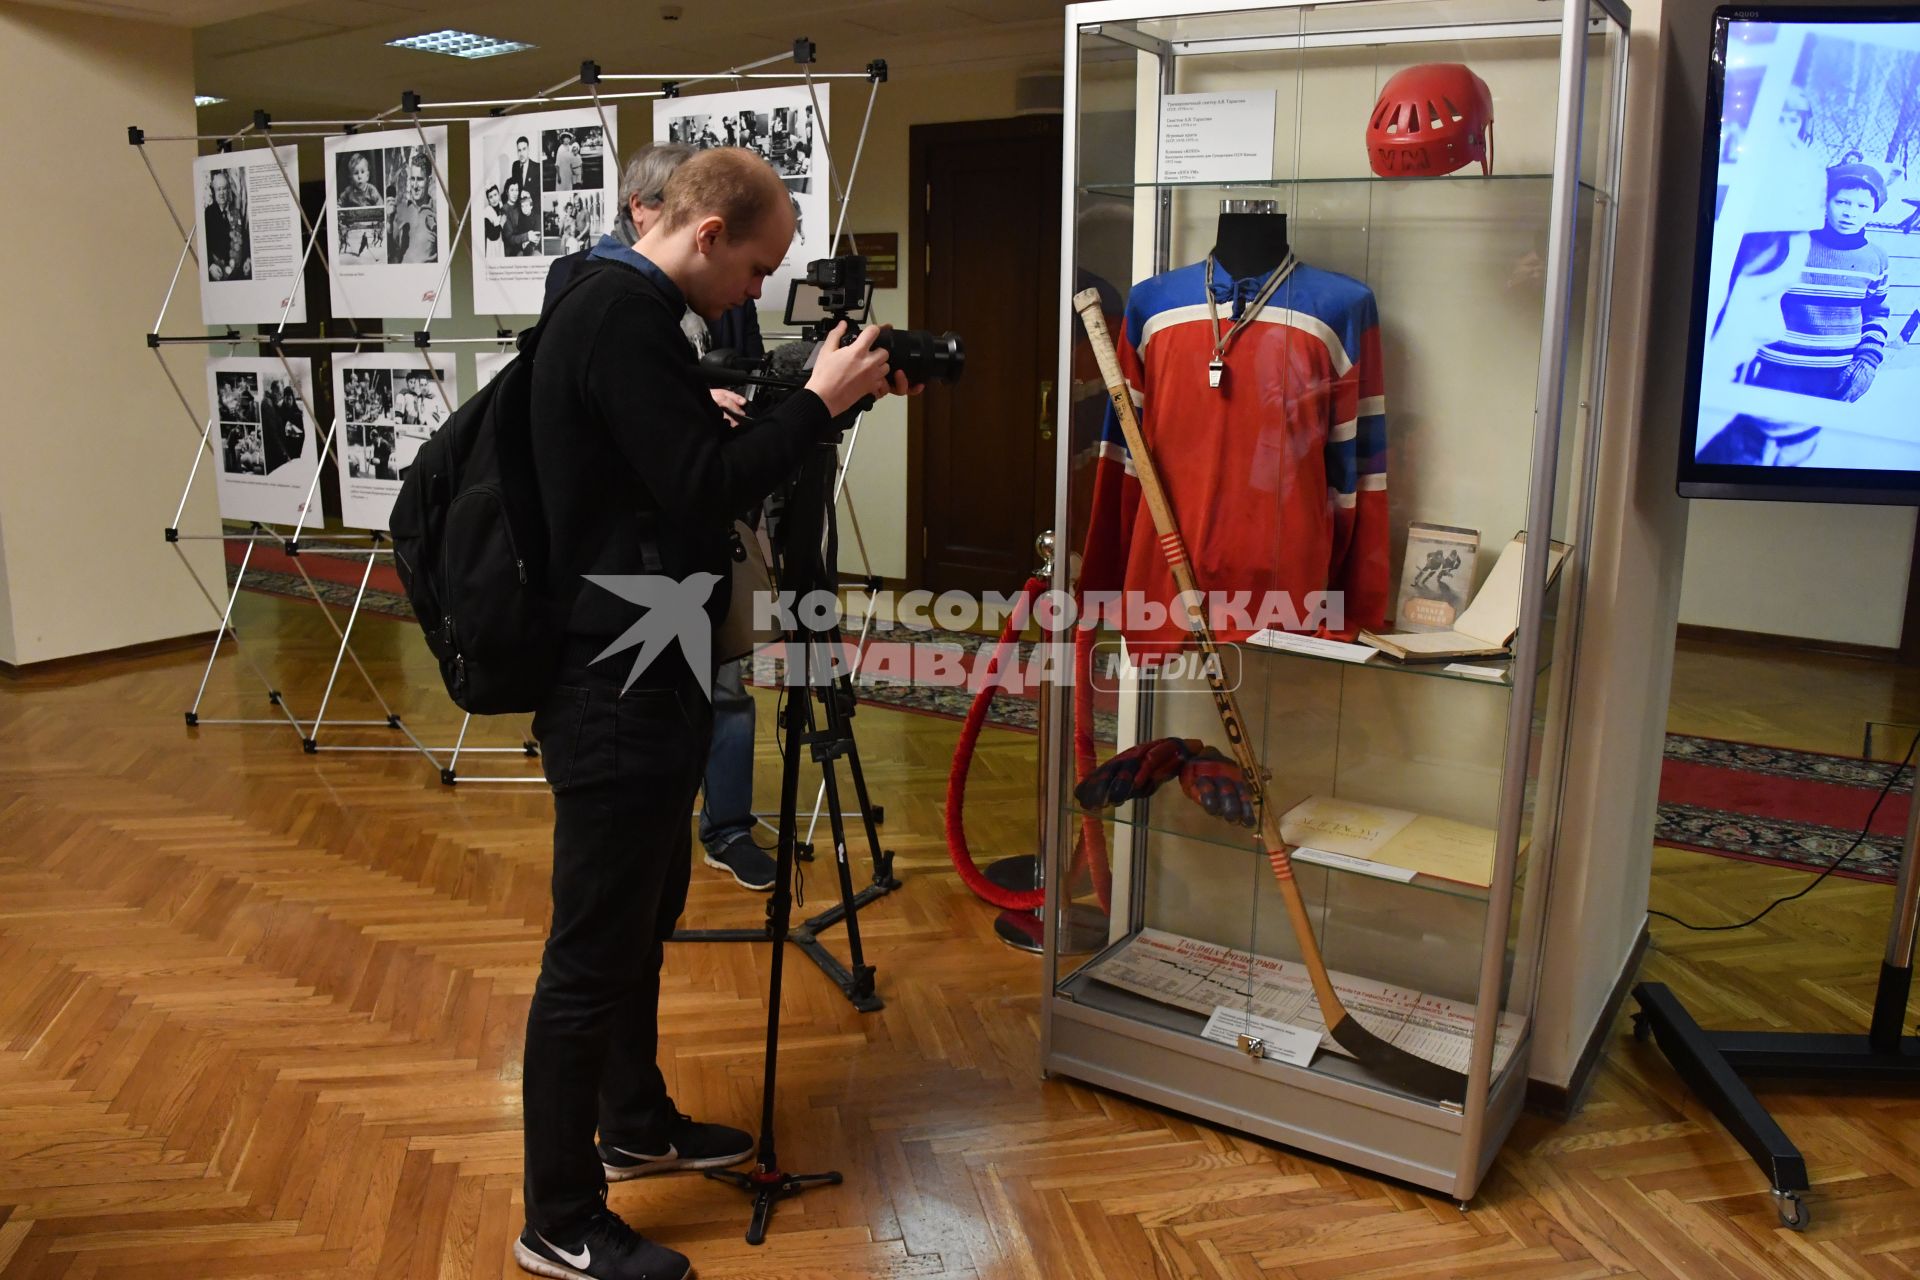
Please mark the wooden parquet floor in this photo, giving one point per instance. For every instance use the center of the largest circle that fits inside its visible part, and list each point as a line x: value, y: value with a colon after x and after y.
x: 261, y: 1017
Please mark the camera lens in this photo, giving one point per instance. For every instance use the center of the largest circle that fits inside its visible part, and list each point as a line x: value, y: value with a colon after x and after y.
x: 924, y: 356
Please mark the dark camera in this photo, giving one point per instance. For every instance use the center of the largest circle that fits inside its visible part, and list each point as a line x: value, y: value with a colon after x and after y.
x: 837, y: 289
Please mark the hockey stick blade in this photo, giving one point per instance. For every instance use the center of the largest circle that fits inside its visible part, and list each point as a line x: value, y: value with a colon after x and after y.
x: 1407, y: 1071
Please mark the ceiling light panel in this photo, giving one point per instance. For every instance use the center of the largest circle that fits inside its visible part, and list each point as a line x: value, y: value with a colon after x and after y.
x: 460, y: 44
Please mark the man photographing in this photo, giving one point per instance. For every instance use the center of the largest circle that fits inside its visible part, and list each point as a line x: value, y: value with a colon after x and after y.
x: 640, y: 475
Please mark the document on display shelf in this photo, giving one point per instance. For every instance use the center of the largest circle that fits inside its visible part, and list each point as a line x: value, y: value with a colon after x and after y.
x: 1217, y: 137
x: 1203, y: 977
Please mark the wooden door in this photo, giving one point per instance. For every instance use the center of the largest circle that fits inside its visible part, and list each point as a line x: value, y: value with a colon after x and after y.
x: 985, y: 239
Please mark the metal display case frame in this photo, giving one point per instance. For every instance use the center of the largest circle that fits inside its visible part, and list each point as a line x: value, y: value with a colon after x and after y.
x: 1130, y: 1044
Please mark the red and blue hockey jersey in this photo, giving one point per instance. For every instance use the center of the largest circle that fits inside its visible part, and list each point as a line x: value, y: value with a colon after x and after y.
x: 1277, y: 478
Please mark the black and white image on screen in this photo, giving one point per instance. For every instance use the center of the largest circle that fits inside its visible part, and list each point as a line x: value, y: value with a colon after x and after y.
x: 1814, y: 282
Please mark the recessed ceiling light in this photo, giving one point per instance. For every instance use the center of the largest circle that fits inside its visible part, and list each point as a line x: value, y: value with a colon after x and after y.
x: 206, y: 100
x: 460, y: 44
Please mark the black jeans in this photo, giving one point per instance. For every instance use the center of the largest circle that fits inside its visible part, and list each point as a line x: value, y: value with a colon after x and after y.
x: 624, y: 771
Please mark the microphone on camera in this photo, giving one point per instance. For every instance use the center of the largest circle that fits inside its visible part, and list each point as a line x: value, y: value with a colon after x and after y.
x: 723, y: 367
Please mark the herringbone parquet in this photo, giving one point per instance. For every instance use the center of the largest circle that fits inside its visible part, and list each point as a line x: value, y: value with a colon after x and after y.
x: 261, y: 1016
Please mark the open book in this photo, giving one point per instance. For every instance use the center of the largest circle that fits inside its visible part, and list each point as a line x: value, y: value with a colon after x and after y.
x: 1487, y: 626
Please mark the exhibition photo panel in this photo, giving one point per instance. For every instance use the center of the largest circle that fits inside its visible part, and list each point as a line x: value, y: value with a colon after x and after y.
x: 780, y: 126
x: 267, y: 447
x: 388, y: 224
x: 542, y: 186
x: 251, y: 237
x: 388, y: 405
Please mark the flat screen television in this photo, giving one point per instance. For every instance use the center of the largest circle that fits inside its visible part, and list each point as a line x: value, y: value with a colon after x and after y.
x: 1804, y: 355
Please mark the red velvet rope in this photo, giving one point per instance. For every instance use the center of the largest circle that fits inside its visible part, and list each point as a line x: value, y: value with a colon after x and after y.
x: 1093, y: 846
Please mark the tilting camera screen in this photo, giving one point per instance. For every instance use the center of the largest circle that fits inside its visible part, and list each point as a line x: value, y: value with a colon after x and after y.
x: 1805, y: 382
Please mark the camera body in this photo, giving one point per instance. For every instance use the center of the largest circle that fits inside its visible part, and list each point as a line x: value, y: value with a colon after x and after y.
x: 840, y: 292
x: 834, y: 291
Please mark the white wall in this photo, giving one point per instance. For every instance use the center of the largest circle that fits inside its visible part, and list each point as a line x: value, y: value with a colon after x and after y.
x: 96, y: 446
x: 1809, y: 570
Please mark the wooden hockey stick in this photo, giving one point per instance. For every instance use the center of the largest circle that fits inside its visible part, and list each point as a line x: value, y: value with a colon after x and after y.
x: 1406, y: 1070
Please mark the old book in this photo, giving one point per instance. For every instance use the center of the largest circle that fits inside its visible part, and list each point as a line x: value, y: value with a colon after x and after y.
x: 1486, y: 627
x: 1436, y: 578
x: 1418, y: 842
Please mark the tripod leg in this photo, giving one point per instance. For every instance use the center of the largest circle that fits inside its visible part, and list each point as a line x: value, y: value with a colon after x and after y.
x: 862, y: 972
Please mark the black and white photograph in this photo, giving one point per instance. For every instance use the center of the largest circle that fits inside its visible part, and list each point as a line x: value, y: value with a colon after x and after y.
x: 572, y: 222
x: 781, y: 126
x: 283, y: 424
x: 413, y: 219
x: 241, y: 451
x: 249, y: 236
x: 229, y: 243
x: 367, y: 396
x: 360, y: 178
x: 695, y: 129
x: 542, y: 186
x: 238, y: 395
x: 361, y: 236
x: 1809, y: 357
x: 573, y: 159
x: 369, y: 453
x: 388, y: 214
x: 268, y: 448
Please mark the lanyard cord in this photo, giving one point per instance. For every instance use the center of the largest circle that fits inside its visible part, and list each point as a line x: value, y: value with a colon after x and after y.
x: 1260, y: 300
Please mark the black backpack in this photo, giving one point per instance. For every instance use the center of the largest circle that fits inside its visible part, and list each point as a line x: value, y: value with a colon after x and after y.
x: 470, y: 544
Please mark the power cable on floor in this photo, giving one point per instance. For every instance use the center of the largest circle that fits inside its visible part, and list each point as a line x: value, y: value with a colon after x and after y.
x: 1893, y: 776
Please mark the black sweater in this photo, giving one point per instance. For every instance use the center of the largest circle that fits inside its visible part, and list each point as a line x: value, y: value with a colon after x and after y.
x: 638, y: 470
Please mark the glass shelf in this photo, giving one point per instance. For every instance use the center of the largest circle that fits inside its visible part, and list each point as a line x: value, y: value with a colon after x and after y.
x: 1279, y: 184
x: 1196, y: 827
x: 1429, y: 670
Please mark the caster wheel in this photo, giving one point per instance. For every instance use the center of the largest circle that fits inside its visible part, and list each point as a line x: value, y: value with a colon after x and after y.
x: 1642, y: 1029
x: 1793, y: 1210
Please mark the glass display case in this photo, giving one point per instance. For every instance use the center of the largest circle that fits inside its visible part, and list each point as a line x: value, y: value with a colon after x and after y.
x: 1340, y: 312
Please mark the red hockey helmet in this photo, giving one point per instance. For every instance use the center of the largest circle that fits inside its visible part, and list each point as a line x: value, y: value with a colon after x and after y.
x: 1431, y: 119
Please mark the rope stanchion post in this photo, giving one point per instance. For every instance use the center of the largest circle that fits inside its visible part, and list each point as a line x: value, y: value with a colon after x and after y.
x: 1023, y: 926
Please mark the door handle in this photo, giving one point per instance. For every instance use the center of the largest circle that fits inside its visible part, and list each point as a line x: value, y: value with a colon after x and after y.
x: 1046, y: 409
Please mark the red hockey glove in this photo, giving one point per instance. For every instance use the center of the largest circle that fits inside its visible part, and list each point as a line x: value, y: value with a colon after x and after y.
x: 1138, y: 771
x: 1219, y: 786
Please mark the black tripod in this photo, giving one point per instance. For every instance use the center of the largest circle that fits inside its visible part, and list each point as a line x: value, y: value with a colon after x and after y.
x: 805, y: 550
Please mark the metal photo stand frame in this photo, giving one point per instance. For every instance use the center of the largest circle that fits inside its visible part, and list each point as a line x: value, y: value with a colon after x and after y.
x: 233, y: 339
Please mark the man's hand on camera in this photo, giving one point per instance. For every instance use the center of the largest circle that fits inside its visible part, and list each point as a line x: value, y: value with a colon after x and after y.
x: 731, y: 403
x: 842, y: 375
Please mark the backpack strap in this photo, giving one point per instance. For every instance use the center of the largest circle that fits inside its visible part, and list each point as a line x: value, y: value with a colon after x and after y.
x: 528, y: 339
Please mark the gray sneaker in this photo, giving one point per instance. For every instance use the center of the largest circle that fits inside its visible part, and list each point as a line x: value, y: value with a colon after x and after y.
x: 745, y: 861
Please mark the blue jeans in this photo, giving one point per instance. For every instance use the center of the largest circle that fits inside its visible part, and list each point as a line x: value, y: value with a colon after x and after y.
x: 726, y: 804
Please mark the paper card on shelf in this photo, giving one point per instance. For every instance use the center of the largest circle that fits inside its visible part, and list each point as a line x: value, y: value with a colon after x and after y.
x: 1365, y: 866
x: 1415, y: 842
x: 1280, y: 1041
x: 1340, y: 826
x: 1216, y: 137
x: 1313, y: 645
x: 1201, y: 977
x: 1477, y: 673
x: 1445, y: 849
